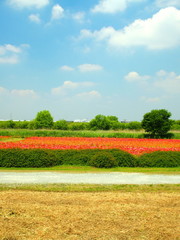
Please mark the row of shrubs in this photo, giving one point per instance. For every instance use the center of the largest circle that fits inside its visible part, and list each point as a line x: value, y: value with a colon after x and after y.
x: 76, y: 126
x: 35, y: 158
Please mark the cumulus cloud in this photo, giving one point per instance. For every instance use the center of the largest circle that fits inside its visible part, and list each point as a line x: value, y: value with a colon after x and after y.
x: 28, y: 3
x: 66, y: 68
x: 69, y: 85
x: 57, y: 12
x: 10, y: 54
x: 167, y: 3
x: 34, y: 18
x: 112, y: 6
x: 162, y: 31
x: 79, y: 17
x: 168, y: 82
x: 83, y: 68
x: 18, y: 92
x: 136, y: 77
x: 89, y: 67
x: 23, y: 93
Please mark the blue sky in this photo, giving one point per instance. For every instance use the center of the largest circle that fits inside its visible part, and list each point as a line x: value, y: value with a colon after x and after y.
x: 80, y: 58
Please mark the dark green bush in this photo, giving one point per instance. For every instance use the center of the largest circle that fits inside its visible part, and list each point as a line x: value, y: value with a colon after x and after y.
x: 124, y: 159
x: 159, y: 159
x: 94, y: 157
x: 28, y: 158
x: 103, y: 160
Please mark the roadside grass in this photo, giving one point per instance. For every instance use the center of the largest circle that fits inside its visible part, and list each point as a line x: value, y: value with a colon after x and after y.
x: 92, y: 187
x: 88, y: 169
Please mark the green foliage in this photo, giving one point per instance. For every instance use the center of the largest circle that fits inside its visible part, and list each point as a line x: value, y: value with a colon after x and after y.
x: 27, y: 158
x: 32, y: 125
x: 100, y: 122
x: 75, y: 126
x: 159, y: 159
x: 107, y: 158
x: 103, y: 160
x: 123, y: 159
x: 157, y: 123
x: 134, y: 125
x: 175, y: 125
x: 44, y: 119
x: 61, y: 124
x: 21, y: 124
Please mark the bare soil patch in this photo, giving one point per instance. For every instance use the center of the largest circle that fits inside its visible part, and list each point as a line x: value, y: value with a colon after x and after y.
x: 89, y: 215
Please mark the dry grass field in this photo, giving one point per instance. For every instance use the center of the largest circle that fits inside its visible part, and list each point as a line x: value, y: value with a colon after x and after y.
x: 115, y: 215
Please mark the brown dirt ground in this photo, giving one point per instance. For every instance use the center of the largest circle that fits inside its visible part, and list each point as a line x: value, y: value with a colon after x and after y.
x: 90, y: 216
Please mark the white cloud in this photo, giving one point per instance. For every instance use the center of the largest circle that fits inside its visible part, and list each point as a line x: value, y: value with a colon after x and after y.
x: 89, y: 67
x: 79, y: 17
x: 112, y: 6
x: 66, y: 68
x: 168, y: 82
x: 9, y: 60
x: 83, y: 68
x: 167, y: 3
x: 91, y: 94
x: 18, y: 92
x: 3, y: 90
x: 151, y: 100
x: 28, y: 3
x: 69, y: 85
x: 34, y: 18
x: 23, y: 93
x: 136, y: 77
x: 57, y: 12
x: 9, y: 48
x: 10, y: 54
x: 162, y: 31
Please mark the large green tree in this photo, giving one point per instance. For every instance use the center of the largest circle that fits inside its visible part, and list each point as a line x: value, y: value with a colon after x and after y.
x: 44, y: 119
x: 100, y: 122
x: 157, y: 123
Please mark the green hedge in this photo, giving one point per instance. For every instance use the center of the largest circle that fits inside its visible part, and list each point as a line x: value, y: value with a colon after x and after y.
x: 28, y: 158
x: 47, y: 158
x: 159, y: 159
x: 93, y: 157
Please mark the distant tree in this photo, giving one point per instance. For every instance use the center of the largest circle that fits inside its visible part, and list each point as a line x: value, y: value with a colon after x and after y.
x: 44, y: 119
x: 114, y: 122
x: 112, y: 118
x: 157, y: 123
x: 100, y: 122
x: 61, y: 125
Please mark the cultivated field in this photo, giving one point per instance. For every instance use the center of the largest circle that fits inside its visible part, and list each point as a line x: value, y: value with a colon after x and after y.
x: 107, y: 215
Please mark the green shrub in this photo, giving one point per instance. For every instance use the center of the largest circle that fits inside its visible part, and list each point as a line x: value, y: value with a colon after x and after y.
x: 28, y: 158
x: 61, y: 125
x: 103, y: 160
x: 124, y: 159
x: 159, y: 159
x: 72, y: 157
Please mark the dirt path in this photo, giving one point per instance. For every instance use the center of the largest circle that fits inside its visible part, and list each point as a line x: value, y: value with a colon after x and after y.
x: 89, y: 216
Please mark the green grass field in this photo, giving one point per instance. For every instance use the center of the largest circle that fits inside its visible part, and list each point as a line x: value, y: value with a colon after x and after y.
x: 85, y: 133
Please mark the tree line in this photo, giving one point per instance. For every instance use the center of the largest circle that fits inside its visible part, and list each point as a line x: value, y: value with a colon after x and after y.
x: 157, y: 123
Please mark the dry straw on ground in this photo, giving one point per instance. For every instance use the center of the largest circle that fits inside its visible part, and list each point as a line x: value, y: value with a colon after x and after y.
x: 90, y: 216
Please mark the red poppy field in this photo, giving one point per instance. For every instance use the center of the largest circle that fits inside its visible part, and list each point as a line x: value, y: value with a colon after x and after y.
x: 132, y: 145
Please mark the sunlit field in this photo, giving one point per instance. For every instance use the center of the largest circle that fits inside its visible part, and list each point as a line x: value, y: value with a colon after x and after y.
x: 106, y: 215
